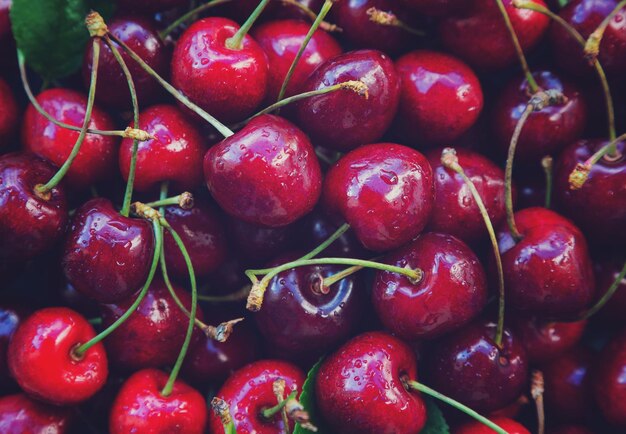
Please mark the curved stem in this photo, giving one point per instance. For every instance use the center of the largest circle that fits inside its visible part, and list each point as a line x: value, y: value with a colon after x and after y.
x: 385, y: 18
x: 331, y: 280
x: 269, y: 413
x: 235, y: 41
x: 189, y: 15
x: 324, y: 25
x: 579, y: 175
x: 546, y: 164
x: 592, y: 45
x: 607, y: 295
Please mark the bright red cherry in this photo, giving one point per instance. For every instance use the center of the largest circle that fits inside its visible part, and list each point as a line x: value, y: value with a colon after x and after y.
x: 360, y: 389
x: 606, y: 270
x: 228, y: 83
x: 11, y: 316
x: 440, y: 97
x: 609, y: 382
x: 107, y: 256
x: 436, y: 8
x: 249, y: 391
x: 384, y: 191
x: 97, y: 156
x: 20, y: 414
x: 253, y: 174
x: 42, y: 360
x: 140, y: 407
x: 9, y: 111
x: 343, y: 120
x: 476, y: 427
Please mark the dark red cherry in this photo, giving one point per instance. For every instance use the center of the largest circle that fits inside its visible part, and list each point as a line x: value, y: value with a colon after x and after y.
x: 469, y: 367
x: 281, y: 42
x: 253, y: 174
x: 546, y: 131
x: 455, y: 212
x: 477, y: 427
x: 140, y: 406
x: 384, y: 191
x: 599, y: 207
x: 530, y: 185
x: 318, y: 227
x: 9, y: 111
x: 548, y: 272
x: 440, y: 97
x: 479, y: 36
x: 107, y: 256
x: 142, y: 36
x: 174, y: 155
x: 20, y: 414
x: 452, y: 291
x: 343, y: 120
x: 436, y: 8
x: 97, y: 156
x: 81, y: 303
x: 359, y: 388
x: 609, y: 382
x: 42, y: 360
x: 606, y: 270
x: 147, y: 6
x: 228, y: 83
x: 29, y: 224
x: 11, y: 316
x: 249, y: 391
x: 5, y: 21
x: 260, y: 244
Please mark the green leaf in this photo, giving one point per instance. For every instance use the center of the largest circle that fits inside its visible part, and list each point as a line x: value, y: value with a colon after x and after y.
x: 435, y: 424
x: 52, y: 33
x: 307, y: 399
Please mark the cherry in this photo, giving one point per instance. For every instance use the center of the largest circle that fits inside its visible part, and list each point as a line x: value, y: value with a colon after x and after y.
x: 476, y: 427
x: 106, y: 255
x: 345, y: 120
x: 81, y: 303
x: 258, y: 243
x: 384, y: 191
x: 281, y: 40
x: 468, y: 366
x: 530, y: 183
x: 548, y: 272
x: 96, y: 159
x: 360, y: 388
x: 141, y: 35
x: 9, y: 111
x: 11, y: 316
x: 609, y: 383
x: 606, y: 270
x: 452, y: 291
x: 5, y: 21
x: 479, y: 36
x: 436, y: 8
x: 546, y: 131
x: 174, y: 155
x: 141, y: 407
x: 440, y: 97
x: 228, y: 82
x: 43, y: 362
x: 30, y: 222
x: 455, y: 211
x: 252, y: 175
x: 20, y: 414
x: 249, y: 391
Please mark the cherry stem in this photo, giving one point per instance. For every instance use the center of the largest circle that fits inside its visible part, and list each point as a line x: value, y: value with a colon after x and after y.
x: 235, y: 42
x: 221, y: 410
x: 579, y: 175
x: 189, y: 15
x: 324, y: 25
x: 330, y: 280
x: 239, y: 295
x: 450, y: 160
x: 606, y: 297
x: 269, y: 413
x: 546, y: 165
x: 536, y: 391
x: 411, y: 384
x: 385, y: 18
x: 318, y: 20
x: 592, y: 45
x: 184, y: 200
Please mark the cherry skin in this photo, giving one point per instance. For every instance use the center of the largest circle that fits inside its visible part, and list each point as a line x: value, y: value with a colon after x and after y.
x: 11, y: 316
x: 440, y: 97
x: 281, y: 40
x: 142, y: 36
x: 609, y: 383
x: 455, y: 212
x: 20, y: 414
x: 9, y: 112
x: 468, y: 366
x: 343, y: 120
x: 140, y: 406
x: 249, y: 391
x: 546, y: 131
x: 228, y: 83
x: 476, y: 427
x: 384, y: 191
x: 436, y: 8
x: 174, y: 155
x: 548, y: 272
x: 360, y: 389
x: 260, y: 244
x: 606, y: 270
x: 29, y: 224
x: 252, y: 175
x: 42, y: 361
x: 479, y: 36
x: 5, y: 21
x: 452, y: 291
x: 107, y: 256
x: 97, y: 156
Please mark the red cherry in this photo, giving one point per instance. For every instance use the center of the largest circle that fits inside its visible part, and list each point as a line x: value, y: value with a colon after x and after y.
x: 476, y: 427
x: 253, y: 174
x: 606, y: 270
x: 42, y: 361
x: 11, y: 316
x: 609, y: 382
x: 228, y: 83
x: 440, y: 97
x: 96, y: 159
x: 384, y: 191
x: 20, y: 414
x: 140, y: 406
x: 360, y: 387
x: 9, y: 111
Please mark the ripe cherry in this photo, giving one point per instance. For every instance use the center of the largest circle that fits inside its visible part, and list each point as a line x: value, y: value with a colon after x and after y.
x: 609, y: 382
x: 9, y: 111
x: 476, y: 427
x: 20, y: 414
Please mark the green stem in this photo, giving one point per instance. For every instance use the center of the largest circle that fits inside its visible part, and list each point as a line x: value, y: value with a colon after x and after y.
x: 235, y: 41
x: 269, y: 413
x: 239, y: 295
x: 326, y: 26
x: 606, y: 150
x: 221, y: 410
x: 330, y: 280
x: 184, y: 200
x: 546, y: 164
x: 592, y: 45
x: 189, y: 15
x: 607, y: 295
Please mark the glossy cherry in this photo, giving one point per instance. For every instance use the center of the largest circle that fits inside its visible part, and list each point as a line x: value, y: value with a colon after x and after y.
x: 606, y: 270
x: 260, y: 244
x: 384, y: 191
x: 97, y: 156
x: 360, y: 388
x: 42, y: 360
x: 343, y: 120
x: 11, y: 316
x: 9, y: 112
x: 107, y: 256
x: 609, y: 383
x: 20, y: 414
x: 440, y: 97
x: 249, y: 391
x: 140, y: 406
x: 253, y: 174
x: 476, y: 427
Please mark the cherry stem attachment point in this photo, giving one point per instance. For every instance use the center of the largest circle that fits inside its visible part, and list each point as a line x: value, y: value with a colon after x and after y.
x: 546, y: 165
x: 222, y: 410
x: 188, y: 16
x: 184, y: 200
x: 235, y: 42
x: 592, y: 45
x: 606, y: 297
x: 385, y: 18
x: 536, y: 391
x: 579, y: 175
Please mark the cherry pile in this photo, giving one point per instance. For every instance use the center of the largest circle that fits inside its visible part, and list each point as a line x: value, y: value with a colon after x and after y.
x: 333, y: 216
